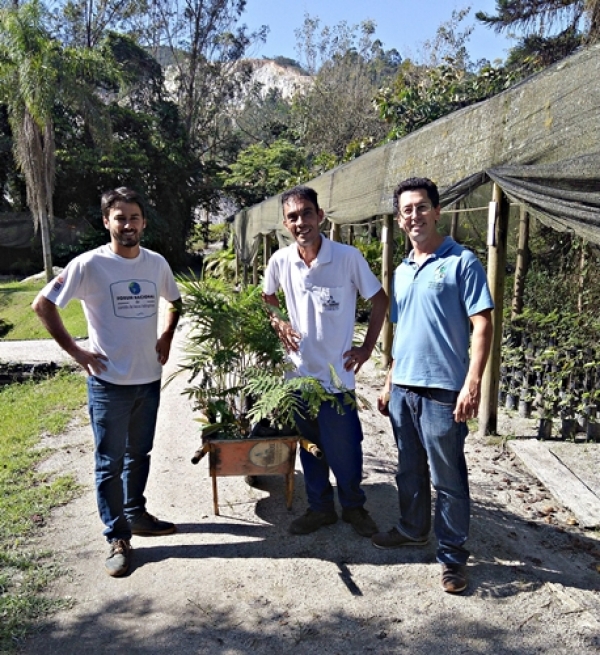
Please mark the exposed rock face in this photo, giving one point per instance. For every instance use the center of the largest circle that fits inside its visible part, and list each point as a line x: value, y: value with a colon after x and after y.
x: 271, y: 75
x: 265, y: 73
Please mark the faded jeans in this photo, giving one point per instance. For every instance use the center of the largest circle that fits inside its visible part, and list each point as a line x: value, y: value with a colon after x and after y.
x: 123, y: 420
x: 431, y: 452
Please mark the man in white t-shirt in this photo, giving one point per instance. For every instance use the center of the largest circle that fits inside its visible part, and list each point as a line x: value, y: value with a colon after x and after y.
x: 320, y: 279
x: 119, y: 285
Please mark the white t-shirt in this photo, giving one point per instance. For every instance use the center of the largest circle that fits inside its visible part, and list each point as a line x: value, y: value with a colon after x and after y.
x: 120, y: 299
x: 321, y: 303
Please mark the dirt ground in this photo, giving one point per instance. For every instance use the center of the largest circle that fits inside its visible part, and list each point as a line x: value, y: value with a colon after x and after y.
x: 239, y: 583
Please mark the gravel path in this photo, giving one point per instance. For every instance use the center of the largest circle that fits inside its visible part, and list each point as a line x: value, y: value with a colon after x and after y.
x: 238, y: 583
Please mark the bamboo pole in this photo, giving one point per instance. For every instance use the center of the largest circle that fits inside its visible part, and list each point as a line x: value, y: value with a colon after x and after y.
x: 387, y: 272
x: 522, y: 265
x: 497, y: 239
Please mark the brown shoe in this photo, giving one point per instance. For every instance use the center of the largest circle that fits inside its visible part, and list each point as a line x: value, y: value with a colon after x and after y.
x: 119, y: 558
x: 454, y: 578
x: 395, y: 539
x: 359, y: 519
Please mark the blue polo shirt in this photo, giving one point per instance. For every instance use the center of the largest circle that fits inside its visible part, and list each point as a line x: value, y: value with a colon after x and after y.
x: 431, y: 306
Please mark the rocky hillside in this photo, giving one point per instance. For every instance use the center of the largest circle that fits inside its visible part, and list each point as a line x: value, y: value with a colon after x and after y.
x: 271, y: 75
x: 266, y: 74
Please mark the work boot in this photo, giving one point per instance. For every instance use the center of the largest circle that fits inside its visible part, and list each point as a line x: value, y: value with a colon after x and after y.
x: 146, y: 525
x: 454, y: 578
x: 359, y: 519
x: 311, y: 521
x: 395, y: 539
x: 119, y: 557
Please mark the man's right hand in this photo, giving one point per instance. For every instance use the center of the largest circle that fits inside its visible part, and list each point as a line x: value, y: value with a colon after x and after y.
x: 92, y: 363
x: 286, y: 333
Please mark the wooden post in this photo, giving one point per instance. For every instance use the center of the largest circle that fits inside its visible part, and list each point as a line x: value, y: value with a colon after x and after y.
x: 335, y: 232
x: 266, y: 249
x: 350, y: 240
x: 454, y: 222
x: 497, y: 239
x: 583, y: 261
x: 387, y: 272
x: 255, y: 269
x: 522, y: 265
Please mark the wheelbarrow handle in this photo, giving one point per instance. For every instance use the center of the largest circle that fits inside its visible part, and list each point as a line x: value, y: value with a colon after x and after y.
x: 199, y: 454
x: 312, y: 448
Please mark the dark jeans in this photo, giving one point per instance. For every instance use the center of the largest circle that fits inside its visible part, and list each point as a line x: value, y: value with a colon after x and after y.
x: 339, y: 437
x: 123, y: 420
x: 431, y: 449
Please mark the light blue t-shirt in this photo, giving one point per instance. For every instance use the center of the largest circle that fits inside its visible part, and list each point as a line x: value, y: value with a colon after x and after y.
x: 431, y: 306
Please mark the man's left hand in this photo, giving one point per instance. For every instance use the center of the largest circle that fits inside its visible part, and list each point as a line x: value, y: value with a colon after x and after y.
x: 355, y: 358
x: 467, y: 405
x: 163, y: 347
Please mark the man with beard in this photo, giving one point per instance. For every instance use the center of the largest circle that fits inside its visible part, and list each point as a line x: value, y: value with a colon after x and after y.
x: 119, y: 285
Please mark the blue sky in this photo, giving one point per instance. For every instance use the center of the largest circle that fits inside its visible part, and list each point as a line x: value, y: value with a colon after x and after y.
x: 401, y: 24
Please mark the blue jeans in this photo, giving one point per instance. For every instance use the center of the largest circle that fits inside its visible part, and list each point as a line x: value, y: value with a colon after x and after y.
x: 123, y: 420
x: 339, y: 437
x: 431, y: 452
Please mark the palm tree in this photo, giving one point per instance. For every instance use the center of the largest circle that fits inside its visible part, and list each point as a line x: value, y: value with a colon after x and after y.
x: 36, y: 73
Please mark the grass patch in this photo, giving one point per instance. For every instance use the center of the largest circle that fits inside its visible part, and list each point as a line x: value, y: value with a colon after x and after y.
x: 19, y: 321
x: 27, y: 496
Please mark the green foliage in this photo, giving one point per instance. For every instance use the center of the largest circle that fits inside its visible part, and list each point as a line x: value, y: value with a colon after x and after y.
x: 420, y: 97
x: 27, y: 496
x: 334, y: 118
x: 549, y: 30
x: 237, y: 363
x: 230, y: 334
x: 15, y: 306
x: 281, y: 400
x: 262, y: 171
x: 221, y: 265
x: 149, y: 151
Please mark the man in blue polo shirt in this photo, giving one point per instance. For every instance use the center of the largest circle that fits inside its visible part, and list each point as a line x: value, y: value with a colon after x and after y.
x: 440, y: 303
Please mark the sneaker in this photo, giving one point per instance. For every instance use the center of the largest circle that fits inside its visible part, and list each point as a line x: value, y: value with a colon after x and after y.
x: 119, y: 557
x: 311, y: 521
x: 146, y: 525
x: 395, y: 539
x: 454, y: 578
x: 360, y: 520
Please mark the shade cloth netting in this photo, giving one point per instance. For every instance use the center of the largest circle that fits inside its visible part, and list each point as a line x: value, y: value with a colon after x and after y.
x: 538, y: 140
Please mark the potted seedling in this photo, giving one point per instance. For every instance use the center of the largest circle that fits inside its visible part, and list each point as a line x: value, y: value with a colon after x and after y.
x: 236, y: 369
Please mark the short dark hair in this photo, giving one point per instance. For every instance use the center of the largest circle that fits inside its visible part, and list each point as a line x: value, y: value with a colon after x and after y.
x: 414, y: 184
x: 303, y: 192
x: 122, y: 194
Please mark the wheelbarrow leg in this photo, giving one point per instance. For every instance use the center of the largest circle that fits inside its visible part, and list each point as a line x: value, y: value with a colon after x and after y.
x: 213, y: 475
x: 289, y: 489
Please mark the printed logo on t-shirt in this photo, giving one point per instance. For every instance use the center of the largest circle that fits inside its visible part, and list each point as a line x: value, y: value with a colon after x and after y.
x: 58, y: 283
x: 439, y: 276
x: 330, y: 304
x: 325, y: 299
x: 134, y: 298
